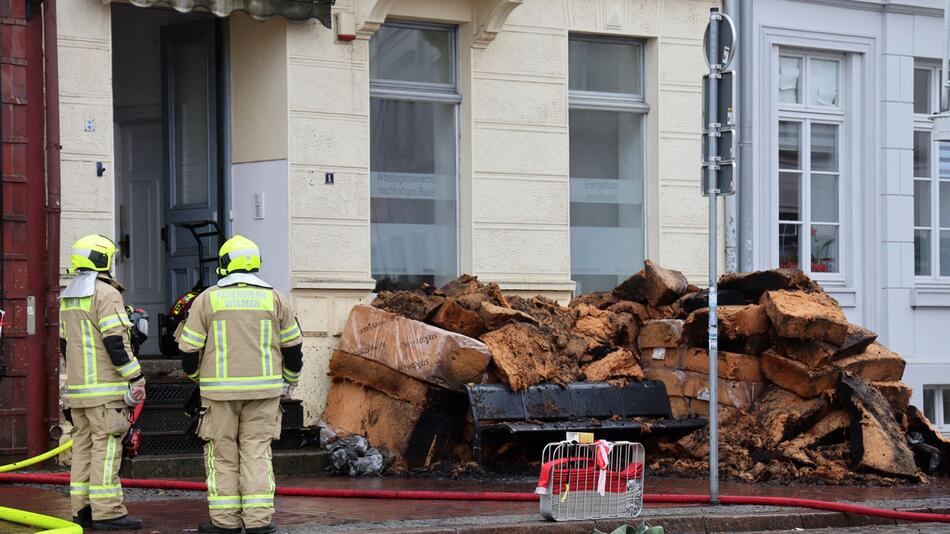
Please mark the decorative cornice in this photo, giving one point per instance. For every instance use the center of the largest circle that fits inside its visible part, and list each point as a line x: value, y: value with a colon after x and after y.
x: 370, y: 14
x: 884, y: 6
x: 490, y: 16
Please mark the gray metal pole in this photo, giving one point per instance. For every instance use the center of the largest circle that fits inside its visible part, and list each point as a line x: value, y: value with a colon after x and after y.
x: 731, y: 203
x: 744, y: 179
x: 713, y: 126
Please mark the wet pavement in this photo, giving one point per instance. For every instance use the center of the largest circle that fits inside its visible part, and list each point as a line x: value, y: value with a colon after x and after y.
x: 180, y: 512
x: 921, y: 528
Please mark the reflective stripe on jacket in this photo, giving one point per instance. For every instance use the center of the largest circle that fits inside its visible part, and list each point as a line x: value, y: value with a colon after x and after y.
x: 238, y: 331
x: 91, y: 378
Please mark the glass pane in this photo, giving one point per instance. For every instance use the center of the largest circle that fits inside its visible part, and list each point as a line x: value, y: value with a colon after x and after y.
x: 940, y: 81
x: 789, y: 80
x: 789, y: 145
x: 823, y: 83
x: 944, y: 163
x: 922, y: 90
x: 192, y: 178
x: 610, y: 67
x: 824, y: 249
x: 945, y: 416
x: 944, y: 205
x: 824, y: 198
x: 824, y: 147
x: 411, y: 55
x: 922, y: 154
x: 929, y: 403
x: 922, y: 252
x: 921, y: 203
x: 606, y: 162
x: 945, y: 255
x: 789, y: 196
x: 413, y: 193
x: 789, y: 246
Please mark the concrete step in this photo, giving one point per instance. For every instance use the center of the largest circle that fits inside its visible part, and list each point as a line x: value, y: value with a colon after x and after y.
x: 181, y: 466
x: 158, y: 418
x: 164, y: 444
x: 162, y: 369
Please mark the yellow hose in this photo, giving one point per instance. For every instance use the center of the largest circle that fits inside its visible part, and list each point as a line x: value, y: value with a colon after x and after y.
x: 53, y: 525
x: 36, y: 459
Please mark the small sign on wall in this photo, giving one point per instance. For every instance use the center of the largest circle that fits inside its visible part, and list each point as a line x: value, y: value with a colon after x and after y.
x: 90, y: 125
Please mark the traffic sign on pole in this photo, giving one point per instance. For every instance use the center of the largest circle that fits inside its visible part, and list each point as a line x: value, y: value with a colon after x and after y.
x: 726, y: 94
x: 725, y: 183
x: 724, y: 51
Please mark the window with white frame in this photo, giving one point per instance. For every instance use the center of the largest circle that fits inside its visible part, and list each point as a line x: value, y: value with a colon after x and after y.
x: 413, y: 155
x: 811, y: 165
x: 931, y: 182
x: 937, y: 406
x: 607, y: 112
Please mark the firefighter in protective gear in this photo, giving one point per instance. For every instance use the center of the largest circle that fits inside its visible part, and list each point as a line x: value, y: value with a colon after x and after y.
x: 103, y: 378
x: 241, y: 343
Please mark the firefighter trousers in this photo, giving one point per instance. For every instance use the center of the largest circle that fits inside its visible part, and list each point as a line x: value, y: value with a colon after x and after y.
x: 96, y: 458
x: 238, y: 435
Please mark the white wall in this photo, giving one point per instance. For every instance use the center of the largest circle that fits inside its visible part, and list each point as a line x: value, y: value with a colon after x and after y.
x: 260, y: 204
x: 84, y: 38
x: 258, y: 65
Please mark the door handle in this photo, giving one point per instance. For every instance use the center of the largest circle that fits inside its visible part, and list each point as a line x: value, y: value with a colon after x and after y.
x: 124, y: 245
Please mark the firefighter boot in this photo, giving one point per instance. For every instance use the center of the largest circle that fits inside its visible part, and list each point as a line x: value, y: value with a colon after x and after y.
x: 267, y: 529
x: 83, y: 517
x: 210, y: 528
x: 120, y: 523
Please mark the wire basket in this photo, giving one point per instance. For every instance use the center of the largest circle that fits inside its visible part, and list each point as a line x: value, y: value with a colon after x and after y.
x: 600, y: 480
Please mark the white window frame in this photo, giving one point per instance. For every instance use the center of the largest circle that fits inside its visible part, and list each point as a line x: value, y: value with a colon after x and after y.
x: 860, y: 147
x: 419, y: 91
x: 922, y: 123
x: 807, y: 115
x: 940, y: 420
x: 634, y: 103
x: 934, y: 69
x: 441, y: 93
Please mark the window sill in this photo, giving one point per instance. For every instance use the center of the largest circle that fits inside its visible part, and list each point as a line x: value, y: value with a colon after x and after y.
x: 937, y: 296
x: 307, y: 282
x: 846, y: 296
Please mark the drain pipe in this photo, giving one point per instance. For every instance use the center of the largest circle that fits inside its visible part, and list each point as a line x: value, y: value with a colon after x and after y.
x: 730, y: 204
x: 3, y: 242
x: 53, y: 208
x: 746, y: 182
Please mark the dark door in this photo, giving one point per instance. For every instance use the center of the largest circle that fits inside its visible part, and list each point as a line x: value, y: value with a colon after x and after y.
x: 191, y: 147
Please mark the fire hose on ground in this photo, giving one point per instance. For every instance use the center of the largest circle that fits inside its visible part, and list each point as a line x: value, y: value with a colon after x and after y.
x: 656, y: 498
x: 36, y: 459
x: 53, y: 525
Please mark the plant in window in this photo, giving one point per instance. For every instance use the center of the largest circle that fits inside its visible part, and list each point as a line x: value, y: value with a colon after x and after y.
x: 821, y: 262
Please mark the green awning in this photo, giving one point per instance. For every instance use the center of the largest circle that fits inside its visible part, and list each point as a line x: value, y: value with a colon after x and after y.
x: 293, y: 10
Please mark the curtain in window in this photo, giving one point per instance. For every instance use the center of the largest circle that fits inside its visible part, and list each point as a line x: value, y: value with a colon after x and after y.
x: 413, y: 192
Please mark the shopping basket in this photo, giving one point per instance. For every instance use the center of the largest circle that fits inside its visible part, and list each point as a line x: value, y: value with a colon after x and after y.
x: 599, y: 480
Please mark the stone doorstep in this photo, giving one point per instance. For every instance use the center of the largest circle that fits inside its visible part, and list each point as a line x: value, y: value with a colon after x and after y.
x: 309, y: 462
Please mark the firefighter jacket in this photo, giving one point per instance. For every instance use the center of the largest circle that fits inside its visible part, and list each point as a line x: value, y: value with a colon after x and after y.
x: 240, y: 332
x: 94, y: 339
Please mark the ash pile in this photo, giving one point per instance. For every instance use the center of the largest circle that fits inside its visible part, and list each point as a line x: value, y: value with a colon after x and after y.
x: 804, y: 395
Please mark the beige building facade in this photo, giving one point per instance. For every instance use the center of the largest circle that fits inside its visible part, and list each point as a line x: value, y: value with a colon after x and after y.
x: 547, y: 145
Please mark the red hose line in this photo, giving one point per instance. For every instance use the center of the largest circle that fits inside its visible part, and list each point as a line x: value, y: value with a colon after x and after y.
x: 654, y: 498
